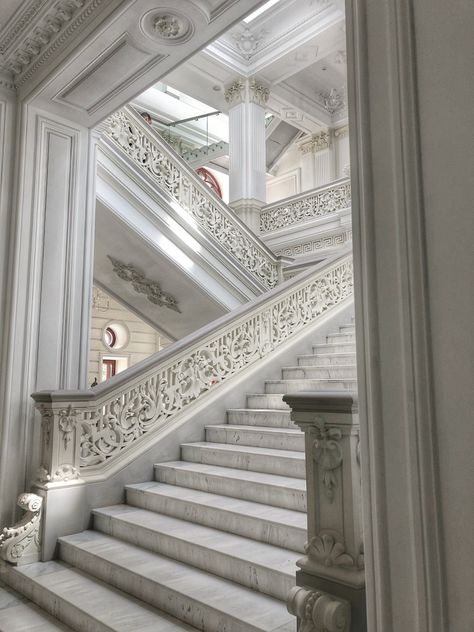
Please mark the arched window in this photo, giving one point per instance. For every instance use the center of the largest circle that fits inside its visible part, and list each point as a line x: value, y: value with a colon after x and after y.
x: 210, y: 180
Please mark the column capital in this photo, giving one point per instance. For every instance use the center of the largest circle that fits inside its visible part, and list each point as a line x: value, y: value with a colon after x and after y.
x: 317, y: 142
x: 246, y: 91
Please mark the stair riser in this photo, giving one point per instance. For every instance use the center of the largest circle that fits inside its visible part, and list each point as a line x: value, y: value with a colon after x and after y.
x: 330, y: 373
x: 59, y: 608
x: 252, y: 575
x: 195, y: 613
x: 327, y: 360
x: 273, y: 419
x: 339, y: 347
x: 262, y: 400
x: 258, y: 529
x: 279, y: 465
x: 340, y: 337
x: 276, y: 441
x: 347, y: 329
x: 256, y: 492
x: 309, y: 385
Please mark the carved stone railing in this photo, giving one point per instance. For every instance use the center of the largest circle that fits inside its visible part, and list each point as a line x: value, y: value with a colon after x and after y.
x: 306, y: 206
x: 334, y: 553
x: 169, y: 171
x: 87, y: 434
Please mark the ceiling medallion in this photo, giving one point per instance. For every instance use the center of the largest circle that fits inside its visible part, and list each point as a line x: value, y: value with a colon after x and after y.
x: 169, y: 27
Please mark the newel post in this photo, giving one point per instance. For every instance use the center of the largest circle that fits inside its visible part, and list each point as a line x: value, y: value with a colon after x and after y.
x: 333, y: 565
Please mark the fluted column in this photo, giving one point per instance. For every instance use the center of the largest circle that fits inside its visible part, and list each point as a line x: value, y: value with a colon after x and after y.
x: 247, y: 174
x: 318, y: 161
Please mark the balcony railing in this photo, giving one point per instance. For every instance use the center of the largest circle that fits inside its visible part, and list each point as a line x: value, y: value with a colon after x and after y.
x: 88, y: 434
x: 306, y: 206
x: 169, y: 171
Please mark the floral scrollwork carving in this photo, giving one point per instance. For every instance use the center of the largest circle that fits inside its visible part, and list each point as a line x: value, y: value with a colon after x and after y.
x: 21, y: 543
x: 327, y: 452
x: 67, y: 423
x: 326, y: 550
x: 319, y: 611
x: 65, y: 472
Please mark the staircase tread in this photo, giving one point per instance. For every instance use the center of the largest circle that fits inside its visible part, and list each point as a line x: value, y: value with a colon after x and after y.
x: 262, y: 429
x: 230, y: 447
x: 244, y: 604
x: 237, y: 506
x: 25, y: 616
x: 260, y: 410
x: 235, y: 546
x: 108, y: 605
x: 324, y: 368
x: 234, y: 473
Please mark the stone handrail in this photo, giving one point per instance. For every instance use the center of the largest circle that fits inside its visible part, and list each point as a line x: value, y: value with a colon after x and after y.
x: 169, y: 171
x: 306, y: 206
x: 85, y: 434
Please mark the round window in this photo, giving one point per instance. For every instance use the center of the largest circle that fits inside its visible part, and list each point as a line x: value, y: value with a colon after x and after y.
x: 110, y: 337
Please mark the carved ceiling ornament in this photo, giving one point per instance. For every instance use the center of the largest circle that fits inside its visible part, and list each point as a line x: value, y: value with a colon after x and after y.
x: 167, y: 26
x: 333, y: 100
x: 247, y: 42
x: 142, y: 285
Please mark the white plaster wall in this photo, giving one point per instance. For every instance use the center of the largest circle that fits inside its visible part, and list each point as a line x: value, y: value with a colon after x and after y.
x: 445, y: 44
x: 143, y: 340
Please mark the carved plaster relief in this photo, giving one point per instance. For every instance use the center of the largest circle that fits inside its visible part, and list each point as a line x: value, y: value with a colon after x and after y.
x: 142, y: 285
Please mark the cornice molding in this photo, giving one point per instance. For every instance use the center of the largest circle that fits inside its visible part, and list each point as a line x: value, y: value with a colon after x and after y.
x: 40, y: 32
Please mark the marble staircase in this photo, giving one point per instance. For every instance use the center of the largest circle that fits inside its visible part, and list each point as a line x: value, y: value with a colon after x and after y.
x: 212, y: 542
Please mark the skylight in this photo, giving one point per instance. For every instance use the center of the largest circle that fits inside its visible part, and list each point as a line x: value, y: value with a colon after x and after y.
x: 261, y: 10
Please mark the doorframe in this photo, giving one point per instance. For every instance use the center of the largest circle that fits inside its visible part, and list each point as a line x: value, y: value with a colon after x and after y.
x: 402, y: 521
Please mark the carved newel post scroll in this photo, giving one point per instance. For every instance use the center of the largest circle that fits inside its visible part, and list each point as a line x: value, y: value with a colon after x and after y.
x: 332, y: 570
x: 20, y: 544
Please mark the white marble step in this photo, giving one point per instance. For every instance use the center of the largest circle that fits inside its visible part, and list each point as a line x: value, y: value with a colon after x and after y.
x: 198, y: 598
x: 328, y: 359
x: 260, y: 437
x: 260, y: 417
x: 267, y: 400
x: 279, y: 462
x: 263, y: 567
x: 340, y: 371
x: 265, y: 523
x: 279, y: 491
x: 334, y: 347
x: 86, y: 604
x: 297, y: 386
x: 341, y: 336
x: 347, y: 328
x: 17, y: 614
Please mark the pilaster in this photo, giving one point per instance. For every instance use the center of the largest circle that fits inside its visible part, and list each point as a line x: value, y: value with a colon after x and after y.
x: 49, y: 285
x: 318, y: 164
x: 247, y: 174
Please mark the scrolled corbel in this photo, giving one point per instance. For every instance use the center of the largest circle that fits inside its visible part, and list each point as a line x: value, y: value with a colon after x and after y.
x: 21, y: 543
x: 318, y: 611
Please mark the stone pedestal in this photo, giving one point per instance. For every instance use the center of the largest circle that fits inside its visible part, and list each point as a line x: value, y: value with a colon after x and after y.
x: 334, y: 560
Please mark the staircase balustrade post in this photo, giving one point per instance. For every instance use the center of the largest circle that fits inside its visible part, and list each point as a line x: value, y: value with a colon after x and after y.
x: 333, y: 565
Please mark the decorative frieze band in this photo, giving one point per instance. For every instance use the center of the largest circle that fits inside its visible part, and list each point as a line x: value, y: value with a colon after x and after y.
x: 308, y: 247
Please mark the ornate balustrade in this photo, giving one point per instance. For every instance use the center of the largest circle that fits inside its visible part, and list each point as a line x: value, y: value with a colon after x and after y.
x: 88, y: 434
x: 306, y: 206
x: 169, y: 171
